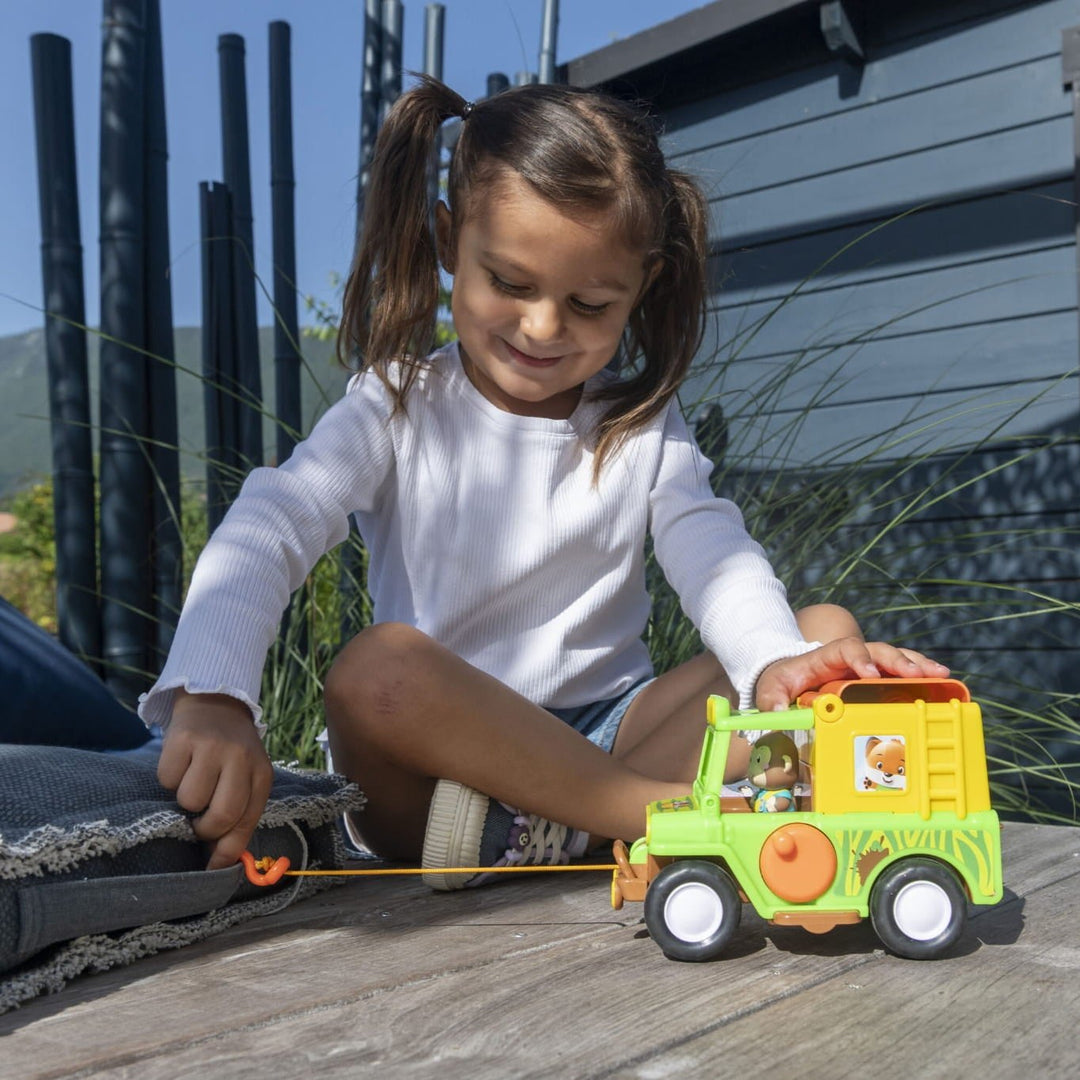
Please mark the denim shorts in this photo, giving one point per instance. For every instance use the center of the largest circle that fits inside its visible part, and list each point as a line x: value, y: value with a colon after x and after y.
x: 599, y: 721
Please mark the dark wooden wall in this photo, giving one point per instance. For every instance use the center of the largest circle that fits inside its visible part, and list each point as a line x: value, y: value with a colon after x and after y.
x: 909, y: 330
x: 894, y: 322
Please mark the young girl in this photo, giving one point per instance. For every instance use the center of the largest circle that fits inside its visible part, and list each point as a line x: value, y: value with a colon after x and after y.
x: 502, y: 708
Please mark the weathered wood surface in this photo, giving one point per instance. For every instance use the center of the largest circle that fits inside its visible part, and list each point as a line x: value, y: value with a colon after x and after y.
x: 538, y: 977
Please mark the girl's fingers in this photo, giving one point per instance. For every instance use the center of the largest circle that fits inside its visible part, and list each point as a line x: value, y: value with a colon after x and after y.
x: 229, y: 847
x: 905, y: 661
x: 225, y: 808
x: 173, y: 763
x: 781, y: 683
x: 239, y: 796
x: 857, y: 658
x: 197, y: 786
x: 777, y: 686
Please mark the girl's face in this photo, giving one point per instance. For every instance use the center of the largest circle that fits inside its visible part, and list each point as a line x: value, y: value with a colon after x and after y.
x: 540, y: 300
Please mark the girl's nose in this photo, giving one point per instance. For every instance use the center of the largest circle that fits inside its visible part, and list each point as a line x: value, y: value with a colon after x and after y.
x: 542, y: 320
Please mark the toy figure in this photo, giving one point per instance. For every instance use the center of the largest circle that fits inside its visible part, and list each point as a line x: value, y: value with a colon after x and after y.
x: 773, y: 773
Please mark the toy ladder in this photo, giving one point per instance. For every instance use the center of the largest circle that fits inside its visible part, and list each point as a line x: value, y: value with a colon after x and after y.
x: 941, y: 726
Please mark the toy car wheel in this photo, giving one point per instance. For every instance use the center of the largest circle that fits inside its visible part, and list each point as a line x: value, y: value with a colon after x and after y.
x: 692, y: 909
x: 918, y: 908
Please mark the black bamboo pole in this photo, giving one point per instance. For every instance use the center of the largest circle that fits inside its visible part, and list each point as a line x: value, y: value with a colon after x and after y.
x: 166, y: 546
x: 211, y: 414
x: 393, y: 27
x: 286, y: 324
x: 352, y: 559
x: 225, y: 351
x: 434, y: 33
x: 125, y: 510
x: 237, y: 172
x: 218, y: 352
x: 369, y: 100
x: 78, y: 612
x: 549, y: 32
x: 282, y: 188
x: 434, y: 36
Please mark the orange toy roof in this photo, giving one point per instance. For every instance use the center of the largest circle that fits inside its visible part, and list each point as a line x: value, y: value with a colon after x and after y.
x: 891, y: 690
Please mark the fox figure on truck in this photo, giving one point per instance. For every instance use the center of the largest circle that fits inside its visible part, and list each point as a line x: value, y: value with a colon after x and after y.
x: 891, y: 821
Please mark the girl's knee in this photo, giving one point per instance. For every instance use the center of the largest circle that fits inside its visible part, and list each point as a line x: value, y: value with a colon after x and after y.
x: 826, y: 622
x: 376, y: 672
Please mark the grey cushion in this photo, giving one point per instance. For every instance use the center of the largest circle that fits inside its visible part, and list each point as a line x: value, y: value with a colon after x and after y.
x: 99, y: 865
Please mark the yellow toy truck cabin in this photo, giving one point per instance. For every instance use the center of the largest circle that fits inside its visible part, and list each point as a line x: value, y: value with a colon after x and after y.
x: 889, y: 819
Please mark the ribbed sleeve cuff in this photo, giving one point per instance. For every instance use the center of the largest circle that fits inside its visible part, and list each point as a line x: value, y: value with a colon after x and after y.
x: 156, y: 705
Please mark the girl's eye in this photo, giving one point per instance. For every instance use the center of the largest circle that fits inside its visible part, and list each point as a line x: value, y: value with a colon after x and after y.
x: 588, y: 309
x: 519, y: 290
x: 505, y: 286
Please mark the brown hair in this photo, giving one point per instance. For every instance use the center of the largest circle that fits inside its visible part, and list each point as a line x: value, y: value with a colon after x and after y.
x: 581, y: 150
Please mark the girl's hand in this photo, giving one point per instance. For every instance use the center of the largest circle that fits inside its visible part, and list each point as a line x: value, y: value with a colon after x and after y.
x: 214, y: 760
x: 845, y: 658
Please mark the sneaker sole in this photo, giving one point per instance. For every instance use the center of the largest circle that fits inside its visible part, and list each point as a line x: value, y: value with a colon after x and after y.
x: 455, y: 826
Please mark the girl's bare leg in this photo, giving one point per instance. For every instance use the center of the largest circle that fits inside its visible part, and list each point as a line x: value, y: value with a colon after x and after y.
x: 403, y: 712
x: 662, y: 731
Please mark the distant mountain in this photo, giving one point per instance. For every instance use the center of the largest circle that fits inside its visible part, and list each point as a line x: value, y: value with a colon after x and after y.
x: 25, y: 451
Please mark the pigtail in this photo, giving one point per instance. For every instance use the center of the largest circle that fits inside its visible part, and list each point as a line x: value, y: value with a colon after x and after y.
x: 392, y: 293
x: 667, y: 326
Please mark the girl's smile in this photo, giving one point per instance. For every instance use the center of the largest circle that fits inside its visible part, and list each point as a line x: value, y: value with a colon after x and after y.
x: 540, y: 299
x: 532, y: 361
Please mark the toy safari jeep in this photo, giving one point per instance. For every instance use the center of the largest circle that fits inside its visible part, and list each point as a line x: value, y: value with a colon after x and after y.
x: 890, y: 818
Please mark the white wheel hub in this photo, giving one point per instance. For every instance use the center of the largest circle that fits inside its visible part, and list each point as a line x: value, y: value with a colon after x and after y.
x: 693, y: 912
x: 922, y: 910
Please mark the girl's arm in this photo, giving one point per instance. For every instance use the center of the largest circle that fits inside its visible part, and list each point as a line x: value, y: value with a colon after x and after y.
x: 207, y: 695
x: 722, y: 576
x: 280, y: 524
x: 729, y: 590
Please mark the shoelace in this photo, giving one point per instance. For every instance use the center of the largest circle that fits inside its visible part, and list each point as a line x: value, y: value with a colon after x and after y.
x: 544, y: 836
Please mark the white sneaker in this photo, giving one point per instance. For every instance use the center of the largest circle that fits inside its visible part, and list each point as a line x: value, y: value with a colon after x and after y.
x: 466, y: 828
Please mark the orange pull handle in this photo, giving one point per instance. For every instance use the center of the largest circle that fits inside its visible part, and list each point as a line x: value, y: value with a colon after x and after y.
x: 265, y: 871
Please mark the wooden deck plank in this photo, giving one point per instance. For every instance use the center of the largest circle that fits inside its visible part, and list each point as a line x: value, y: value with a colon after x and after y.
x: 561, y: 1011
x: 372, y: 936
x: 539, y: 977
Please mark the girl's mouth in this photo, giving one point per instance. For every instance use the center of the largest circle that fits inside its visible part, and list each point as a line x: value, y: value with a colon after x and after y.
x: 528, y: 360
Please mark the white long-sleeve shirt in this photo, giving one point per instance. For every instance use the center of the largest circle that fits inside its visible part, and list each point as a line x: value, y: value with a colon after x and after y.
x: 484, y: 530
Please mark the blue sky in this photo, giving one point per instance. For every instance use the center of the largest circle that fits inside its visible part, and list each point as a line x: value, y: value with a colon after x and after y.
x: 327, y: 39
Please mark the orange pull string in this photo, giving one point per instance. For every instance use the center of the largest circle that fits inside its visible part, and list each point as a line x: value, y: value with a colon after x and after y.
x: 405, y: 871
x: 269, y: 871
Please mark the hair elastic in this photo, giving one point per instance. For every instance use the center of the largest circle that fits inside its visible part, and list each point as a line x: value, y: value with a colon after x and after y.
x: 466, y: 110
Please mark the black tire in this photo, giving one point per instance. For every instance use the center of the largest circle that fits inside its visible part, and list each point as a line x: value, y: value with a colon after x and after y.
x: 692, y: 909
x: 918, y: 908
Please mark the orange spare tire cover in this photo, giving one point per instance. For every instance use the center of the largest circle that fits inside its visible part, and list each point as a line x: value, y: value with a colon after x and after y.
x: 798, y: 863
